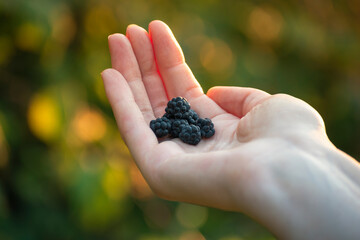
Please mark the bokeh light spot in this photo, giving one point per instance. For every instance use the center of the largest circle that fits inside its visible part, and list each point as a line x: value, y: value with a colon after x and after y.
x: 265, y: 24
x: 29, y: 37
x: 116, y: 181
x: 216, y: 56
x: 44, y: 116
x: 191, y: 216
x: 63, y: 25
x: 89, y: 125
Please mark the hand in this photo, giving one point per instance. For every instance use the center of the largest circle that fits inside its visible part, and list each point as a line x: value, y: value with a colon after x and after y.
x: 266, y: 157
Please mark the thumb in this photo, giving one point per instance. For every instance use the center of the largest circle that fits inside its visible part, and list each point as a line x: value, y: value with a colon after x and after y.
x: 237, y: 100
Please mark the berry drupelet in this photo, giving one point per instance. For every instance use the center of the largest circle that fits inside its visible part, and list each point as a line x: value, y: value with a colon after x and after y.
x: 190, y: 134
x: 176, y: 126
x: 160, y: 126
x: 179, y: 121
x: 206, y: 127
x: 177, y: 107
x: 191, y: 116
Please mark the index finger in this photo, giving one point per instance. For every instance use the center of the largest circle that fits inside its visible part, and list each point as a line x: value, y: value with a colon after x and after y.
x: 176, y: 74
x: 130, y: 120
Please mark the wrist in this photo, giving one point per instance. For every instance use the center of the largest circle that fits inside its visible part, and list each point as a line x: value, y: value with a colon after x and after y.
x: 305, y: 189
x: 319, y: 194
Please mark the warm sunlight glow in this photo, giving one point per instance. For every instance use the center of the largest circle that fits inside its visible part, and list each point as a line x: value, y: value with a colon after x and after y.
x: 44, y: 117
x: 216, y: 56
x: 63, y: 25
x: 89, y: 125
x: 265, y: 24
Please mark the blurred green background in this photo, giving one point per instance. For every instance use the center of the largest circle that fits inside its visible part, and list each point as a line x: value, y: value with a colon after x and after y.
x: 65, y: 171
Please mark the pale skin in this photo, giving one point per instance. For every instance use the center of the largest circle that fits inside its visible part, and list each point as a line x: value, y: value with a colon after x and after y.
x: 270, y: 157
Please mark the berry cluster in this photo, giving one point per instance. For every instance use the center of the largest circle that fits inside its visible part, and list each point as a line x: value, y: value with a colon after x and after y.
x: 179, y: 121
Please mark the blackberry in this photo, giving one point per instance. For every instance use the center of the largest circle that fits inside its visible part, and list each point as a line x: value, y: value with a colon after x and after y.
x: 176, y: 126
x: 176, y: 107
x: 160, y: 126
x: 206, y: 127
x: 190, y: 134
x: 182, y: 122
x: 168, y: 116
x: 191, y: 116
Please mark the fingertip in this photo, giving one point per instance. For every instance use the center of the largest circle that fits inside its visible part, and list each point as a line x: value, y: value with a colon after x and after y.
x: 133, y: 29
x: 109, y: 74
x: 115, y: 38
x: 104, y: 73
x: 212, y: 91
x: 158, y: 24
x: 154, y: 22
x: 130, y: 28
x: 110, y: 36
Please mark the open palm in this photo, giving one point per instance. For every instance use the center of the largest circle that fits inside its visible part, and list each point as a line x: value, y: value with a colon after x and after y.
x: 269, y: 158
x: 148, y: 70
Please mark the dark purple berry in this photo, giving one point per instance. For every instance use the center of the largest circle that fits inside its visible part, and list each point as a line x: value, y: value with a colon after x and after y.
x: 190, y: 134
x: 176, y: 126
x: 191, y: 116
x: 176, y: 107
x: 182, y: 122
x: 160, y: 126
x: 206, y: 127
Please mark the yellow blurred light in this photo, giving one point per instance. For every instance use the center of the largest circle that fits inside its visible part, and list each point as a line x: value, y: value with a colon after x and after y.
x: 89, y: 125
x: 140, y: 188
x: 265, y: 24
x: 3, y: 150
x: 116, y: 182
x: 216, y: 56
x: 100, y: 21
x: 191, y: 216
x: 44, y: 116
x: 192, y: 235
x: 29, y: 37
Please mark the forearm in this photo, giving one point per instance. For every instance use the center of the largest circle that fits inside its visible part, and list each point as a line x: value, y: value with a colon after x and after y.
x: 332, y: 210
x: 321, y: 200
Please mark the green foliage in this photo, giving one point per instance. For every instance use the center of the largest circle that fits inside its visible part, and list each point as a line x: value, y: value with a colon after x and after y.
x: 65, y: 172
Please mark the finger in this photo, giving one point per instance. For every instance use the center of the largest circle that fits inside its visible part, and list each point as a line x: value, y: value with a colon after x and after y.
x: 144, y: 53
x: 177, y: 76
x: 124, y: 60
x: 237, y: 100
x: 130, y: 120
